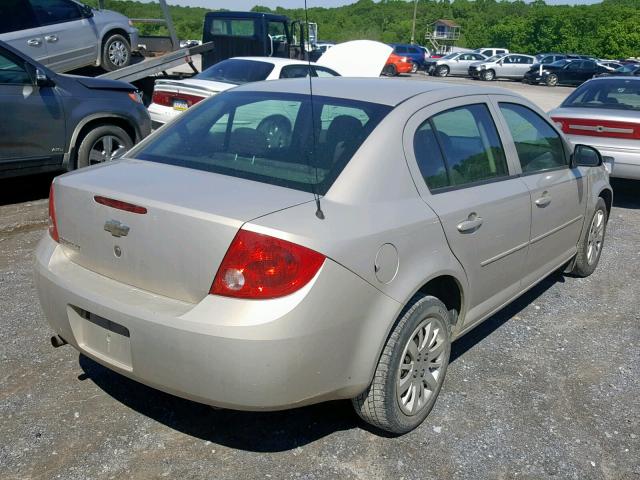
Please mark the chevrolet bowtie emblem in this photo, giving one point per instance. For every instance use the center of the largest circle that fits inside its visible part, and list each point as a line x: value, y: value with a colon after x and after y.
x: 115, y: 228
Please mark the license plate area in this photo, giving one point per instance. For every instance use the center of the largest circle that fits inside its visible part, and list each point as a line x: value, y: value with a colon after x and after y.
x: 102, y: 338
x: 180, y: 105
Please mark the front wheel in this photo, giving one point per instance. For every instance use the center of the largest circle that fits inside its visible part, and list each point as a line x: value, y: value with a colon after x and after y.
x: 116, y: 53
x: 442, y: 71
x: 414, y: 68
x: 488, y: 75
x: 552, y: 80
x: 411, y: 369
x: 591, y: 243
x: 102, y: 144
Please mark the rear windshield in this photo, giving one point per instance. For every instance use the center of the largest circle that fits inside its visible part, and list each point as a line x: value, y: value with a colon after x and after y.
x: 237, y: 71
x: 276, y: 138
x: 618, y: 94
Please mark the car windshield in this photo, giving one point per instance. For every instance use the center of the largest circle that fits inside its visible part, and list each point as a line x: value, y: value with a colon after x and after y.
x: 618, y: 94
x: 277, y: 138
x: 237, y: 71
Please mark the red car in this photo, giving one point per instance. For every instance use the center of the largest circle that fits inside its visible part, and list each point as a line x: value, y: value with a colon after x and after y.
x: 397, y: 64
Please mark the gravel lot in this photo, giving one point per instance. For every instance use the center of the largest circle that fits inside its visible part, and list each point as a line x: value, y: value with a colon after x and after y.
x: 547, y: 388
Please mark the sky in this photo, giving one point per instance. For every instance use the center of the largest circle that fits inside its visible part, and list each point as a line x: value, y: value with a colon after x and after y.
x: 248, y: 4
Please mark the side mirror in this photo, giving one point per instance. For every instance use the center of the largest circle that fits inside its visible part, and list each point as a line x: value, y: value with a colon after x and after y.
x: 586, y: 156
x: 41, y: 79
x: 87, y: 11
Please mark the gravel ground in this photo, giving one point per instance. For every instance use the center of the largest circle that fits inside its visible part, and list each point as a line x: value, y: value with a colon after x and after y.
x: 547, y: 388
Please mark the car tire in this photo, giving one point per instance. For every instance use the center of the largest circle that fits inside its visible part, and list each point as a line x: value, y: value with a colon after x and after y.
x: 442, y: 71
x: 551, y: 80
x: 390, y: 70
x: 591, y: 242
x: 384, y: 404
x: 116, y: 53
x: 414, y: 68
x: 488, y: 75
x: 103, y: 143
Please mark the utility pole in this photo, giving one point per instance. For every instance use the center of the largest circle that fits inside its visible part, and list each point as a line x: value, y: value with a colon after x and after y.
x: 413, y: 26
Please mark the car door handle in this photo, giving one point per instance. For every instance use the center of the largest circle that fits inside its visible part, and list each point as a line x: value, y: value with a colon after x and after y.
x: 34, y: 42
x: 544, y: 200
x: 51, y: 38
x: 471, y: 224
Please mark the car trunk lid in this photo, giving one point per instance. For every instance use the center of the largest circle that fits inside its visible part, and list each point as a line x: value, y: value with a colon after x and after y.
x: 173, y: 243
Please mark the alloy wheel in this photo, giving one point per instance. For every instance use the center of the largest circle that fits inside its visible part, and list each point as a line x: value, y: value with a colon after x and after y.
x: 596, y: 237
x: 421, y: 367
x: 105, y: 149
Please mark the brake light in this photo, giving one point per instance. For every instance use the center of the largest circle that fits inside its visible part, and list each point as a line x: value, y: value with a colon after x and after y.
x: 260, y: 267
x: 167, y: 99
x: 120, y: 205
x: 53, y: 223
x: 599, y: 128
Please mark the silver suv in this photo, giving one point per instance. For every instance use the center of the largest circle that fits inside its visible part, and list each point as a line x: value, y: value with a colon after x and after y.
x: 65, y: 34
x: 453, y: 64
x: 513, y: 66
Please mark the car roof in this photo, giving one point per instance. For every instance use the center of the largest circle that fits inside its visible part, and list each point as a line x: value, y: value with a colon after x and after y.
x: 383, y: 91
x: 273, y: 60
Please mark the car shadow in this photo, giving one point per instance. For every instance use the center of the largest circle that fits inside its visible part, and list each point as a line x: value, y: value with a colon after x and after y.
x: 269, y: 431
x: 25, y: 189
x: 626, y: 193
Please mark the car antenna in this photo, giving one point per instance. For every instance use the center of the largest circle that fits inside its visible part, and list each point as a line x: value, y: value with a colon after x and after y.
x: 316, y: 195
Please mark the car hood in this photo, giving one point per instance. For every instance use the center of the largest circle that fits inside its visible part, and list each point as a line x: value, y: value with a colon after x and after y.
x: 102, y: 84
x: 358, y: 58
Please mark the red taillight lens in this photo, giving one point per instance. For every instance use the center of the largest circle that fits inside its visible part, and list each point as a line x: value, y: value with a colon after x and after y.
x: 259, y: 267
x: 166, y: 98
x: 599, y: 128
x: 53, y: 223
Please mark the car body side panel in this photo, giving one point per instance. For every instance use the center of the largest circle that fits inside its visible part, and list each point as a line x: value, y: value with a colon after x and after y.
x: 75, y: 46
x: 38, y: 47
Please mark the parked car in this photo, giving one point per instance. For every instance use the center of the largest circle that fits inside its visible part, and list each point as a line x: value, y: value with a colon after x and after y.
x: 569, y: 72
x: 390, y: 219
x: 396, y: 65
x: 605, y: 113
x: 413, y: 52
x: 490, y: 52
x: 547, y: 58
x: 172, y: 97
x: 513, y: 66
x: 65, y: 34
x: 52, y: 122
x: 453, y: 64
x: 630, y: 69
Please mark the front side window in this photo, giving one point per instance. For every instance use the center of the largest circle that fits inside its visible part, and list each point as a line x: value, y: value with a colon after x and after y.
x: 275, y: 138
x: 16, y: 15
x: 12, y: 73
x: 538, y: 145
x: 49, y: 12
x: 460, y: 147
x: 401, y: 49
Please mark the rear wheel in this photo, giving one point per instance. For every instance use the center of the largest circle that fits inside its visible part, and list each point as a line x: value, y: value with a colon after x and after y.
x: 442, y: 71
x: 552, y: 80
x: 411, y: 369
x: 116, y: 53
x: 390, y: 70
x: 488, y: 75
x: 102, y: 144
x: 591, y: 243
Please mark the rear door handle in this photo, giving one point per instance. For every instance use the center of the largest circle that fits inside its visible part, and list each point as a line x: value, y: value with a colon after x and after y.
x: 544, y: 200
x: 34, y: 42
x: 51, y: 38
x: 471, y: 224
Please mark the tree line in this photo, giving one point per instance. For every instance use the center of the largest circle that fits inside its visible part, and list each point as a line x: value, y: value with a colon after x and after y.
x: 610, y: 29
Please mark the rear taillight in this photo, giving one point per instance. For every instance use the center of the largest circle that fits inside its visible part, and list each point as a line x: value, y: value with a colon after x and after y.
x: 167, y: 99
x: 598, y: 128
x: 259, y: 267
x: 53, y: 223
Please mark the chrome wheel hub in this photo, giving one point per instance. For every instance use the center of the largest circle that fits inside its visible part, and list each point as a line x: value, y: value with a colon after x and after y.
x: 421, y: 367
x: 596, y: 237
x: 118, y: 54
x: 106, y: 148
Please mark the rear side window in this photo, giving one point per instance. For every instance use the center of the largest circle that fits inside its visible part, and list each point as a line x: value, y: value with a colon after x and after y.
x: 401, y: 49
x: 460, y: 147
x: 55, y: 11
x: 275, y: 138
x: 16, y: 15
x: 294, y: 71
x: 325, y: 72
x: 538, y: 145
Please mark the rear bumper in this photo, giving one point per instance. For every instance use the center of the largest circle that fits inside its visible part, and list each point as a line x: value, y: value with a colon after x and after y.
x: 160, y: 114
x: 320, y: 343
x: 626, y: 161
